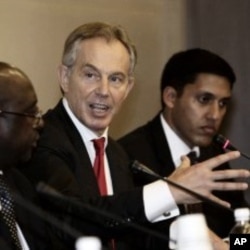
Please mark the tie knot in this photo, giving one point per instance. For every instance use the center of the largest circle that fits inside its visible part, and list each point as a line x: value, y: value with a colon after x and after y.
x: 192, y: 155
x: 99, y: 144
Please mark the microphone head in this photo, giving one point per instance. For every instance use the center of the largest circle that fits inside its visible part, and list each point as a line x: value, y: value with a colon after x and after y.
x: 45, y: 189
x: 135, y: 167
x: 223, y: 142
x: 138, y: 167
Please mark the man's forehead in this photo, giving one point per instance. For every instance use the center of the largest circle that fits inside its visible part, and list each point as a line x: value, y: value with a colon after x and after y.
x: 216, y: 89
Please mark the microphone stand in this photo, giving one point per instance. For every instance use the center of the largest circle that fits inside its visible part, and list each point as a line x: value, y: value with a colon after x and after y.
x: 137, y: 166
x: 46, y: 216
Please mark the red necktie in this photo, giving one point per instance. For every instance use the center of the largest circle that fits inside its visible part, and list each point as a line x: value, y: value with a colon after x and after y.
x: 99, y: 170
x: 99, y: 165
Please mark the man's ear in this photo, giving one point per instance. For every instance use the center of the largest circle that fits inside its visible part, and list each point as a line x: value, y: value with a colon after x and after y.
x: 131, y: 83
x: 63, y: 77
x: 169, y: 96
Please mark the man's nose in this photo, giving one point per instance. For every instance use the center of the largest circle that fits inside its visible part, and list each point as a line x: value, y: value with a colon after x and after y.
x: 214, y: 111
x: 103, y: 87
x: 39, y: 124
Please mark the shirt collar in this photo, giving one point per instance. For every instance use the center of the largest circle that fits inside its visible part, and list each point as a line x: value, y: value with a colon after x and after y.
x: 86, y: 134
x: 177, y: 146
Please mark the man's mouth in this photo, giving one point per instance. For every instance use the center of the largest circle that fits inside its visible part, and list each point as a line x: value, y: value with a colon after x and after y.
x: 209, y: 130
x: 99, y: 106
x: 34, y: 144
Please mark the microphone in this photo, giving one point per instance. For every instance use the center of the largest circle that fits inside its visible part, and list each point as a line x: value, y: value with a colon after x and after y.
x: 225, y: 143
x: 48, y: 190
x: 139, y: 167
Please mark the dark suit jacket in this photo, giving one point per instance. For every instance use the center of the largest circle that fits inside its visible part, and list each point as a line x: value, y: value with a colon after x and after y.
x: 33, y: 227
x: 61, y: 160
x: 148, y: 145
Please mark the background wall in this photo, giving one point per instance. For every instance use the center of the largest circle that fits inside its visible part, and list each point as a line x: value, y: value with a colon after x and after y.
x: 33, y: 33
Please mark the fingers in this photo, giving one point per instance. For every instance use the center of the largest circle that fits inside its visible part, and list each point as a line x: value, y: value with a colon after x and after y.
x: 220, y: 159
x: 230, y: 174
x: 219, y: 201
x: 202, y: 179
x: 226, y: 186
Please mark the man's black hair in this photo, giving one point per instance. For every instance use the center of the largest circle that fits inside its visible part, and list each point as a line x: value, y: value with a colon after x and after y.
x: 183, y: 67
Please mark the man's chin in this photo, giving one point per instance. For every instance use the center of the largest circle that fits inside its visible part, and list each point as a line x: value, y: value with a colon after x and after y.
x: 204, y: 142
x: 26, y: 157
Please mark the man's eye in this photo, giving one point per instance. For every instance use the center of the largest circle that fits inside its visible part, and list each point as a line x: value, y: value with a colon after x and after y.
x: 89, y: 75
x: 204, y: 99
x: 223, y: 103
x: 32, y: 110
x: 117, y: 79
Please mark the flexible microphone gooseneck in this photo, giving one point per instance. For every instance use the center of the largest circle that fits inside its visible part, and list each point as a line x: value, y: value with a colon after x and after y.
x: 137, y: 166
x: 45, y: 216
x: 225, y: 143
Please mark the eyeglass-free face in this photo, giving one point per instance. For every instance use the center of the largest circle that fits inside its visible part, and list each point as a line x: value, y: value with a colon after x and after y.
x: 98, y: 83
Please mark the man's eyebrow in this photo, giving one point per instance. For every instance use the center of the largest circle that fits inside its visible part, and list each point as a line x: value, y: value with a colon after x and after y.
x: 226, y: 98
x: 87, y: 65
x: 119, y: 73
x: 212, y: 94
x: 206, y: 93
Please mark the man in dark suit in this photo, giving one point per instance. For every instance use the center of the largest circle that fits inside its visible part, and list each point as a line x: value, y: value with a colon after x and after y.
x: 95, y: 77
x: 20, y: 122
x: 196, y: 88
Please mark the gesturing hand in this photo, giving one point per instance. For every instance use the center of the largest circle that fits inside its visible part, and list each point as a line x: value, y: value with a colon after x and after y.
x: 202, y: 179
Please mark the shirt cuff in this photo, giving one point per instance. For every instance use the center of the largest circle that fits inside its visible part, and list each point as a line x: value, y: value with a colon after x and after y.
x: 159, y: 204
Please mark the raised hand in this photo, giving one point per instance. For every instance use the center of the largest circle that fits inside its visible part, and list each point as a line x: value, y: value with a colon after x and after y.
x: 202, y: 179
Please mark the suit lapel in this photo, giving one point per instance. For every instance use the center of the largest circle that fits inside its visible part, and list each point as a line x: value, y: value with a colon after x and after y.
x: 83, y: 168
x: 119, y: 167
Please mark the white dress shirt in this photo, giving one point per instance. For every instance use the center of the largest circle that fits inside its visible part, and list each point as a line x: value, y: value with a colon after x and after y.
x: 177, y: 146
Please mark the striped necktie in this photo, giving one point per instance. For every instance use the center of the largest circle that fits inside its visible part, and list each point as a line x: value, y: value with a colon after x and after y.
x: 7, y: 212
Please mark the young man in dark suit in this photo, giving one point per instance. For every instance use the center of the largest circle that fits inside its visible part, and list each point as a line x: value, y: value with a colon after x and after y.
x: 20, y: 123
x: 96, y: 75
x: 196, y: 88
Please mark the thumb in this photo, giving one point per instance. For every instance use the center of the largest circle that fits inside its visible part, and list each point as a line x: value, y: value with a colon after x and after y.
x: 185, y: 162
